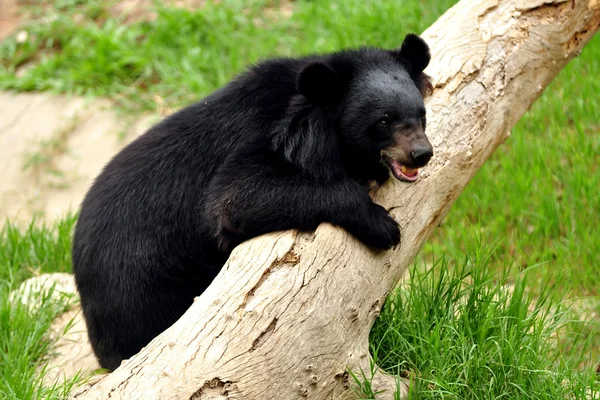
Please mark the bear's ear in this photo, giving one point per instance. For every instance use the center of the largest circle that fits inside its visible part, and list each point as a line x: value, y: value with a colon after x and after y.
x: 320, y: 84
x: 424, y: 85
x: 414, y: 52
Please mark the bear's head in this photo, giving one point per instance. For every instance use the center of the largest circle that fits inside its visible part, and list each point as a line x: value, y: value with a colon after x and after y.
x: 374, y: 101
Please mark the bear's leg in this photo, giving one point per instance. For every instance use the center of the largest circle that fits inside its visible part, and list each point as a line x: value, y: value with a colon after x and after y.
x: 119, y: 331
x: 131, y: 300
x: 250, y: 206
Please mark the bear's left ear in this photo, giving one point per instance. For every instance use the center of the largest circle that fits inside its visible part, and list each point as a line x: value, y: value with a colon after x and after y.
x: 414, y: 53
x: 320, y: 84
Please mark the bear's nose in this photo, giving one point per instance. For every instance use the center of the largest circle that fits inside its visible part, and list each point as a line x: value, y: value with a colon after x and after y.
x: 421, y: 156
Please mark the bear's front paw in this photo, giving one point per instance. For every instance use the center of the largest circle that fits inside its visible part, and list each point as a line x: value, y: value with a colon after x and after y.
x: 385, y: 232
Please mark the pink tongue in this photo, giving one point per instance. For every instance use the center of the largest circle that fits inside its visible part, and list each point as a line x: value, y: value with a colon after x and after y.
x: 411, y: 173
x: 398, y: 170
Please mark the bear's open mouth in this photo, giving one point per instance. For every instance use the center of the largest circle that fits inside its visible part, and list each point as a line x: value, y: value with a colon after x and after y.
x: 402, y: 172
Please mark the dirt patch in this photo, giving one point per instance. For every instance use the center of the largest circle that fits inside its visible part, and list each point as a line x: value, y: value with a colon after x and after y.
x: 143, y: 10
x: 9, y: 17
x: 52, y: 148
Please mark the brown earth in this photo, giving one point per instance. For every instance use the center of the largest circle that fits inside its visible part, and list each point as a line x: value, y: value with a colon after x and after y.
x: 51, y: 149
x: 9, y: 17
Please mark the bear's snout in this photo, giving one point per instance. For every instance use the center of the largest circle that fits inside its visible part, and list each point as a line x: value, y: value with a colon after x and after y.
x: 411, y: 151
x: 421, y: 154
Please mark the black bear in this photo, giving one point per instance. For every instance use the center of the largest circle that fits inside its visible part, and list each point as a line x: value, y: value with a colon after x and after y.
x: 288, y: 144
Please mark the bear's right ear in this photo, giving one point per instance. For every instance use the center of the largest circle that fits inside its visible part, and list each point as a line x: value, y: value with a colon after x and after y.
x: 320, y: 84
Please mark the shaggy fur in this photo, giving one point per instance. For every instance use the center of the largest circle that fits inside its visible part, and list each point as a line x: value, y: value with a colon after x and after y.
x: 286, y: 145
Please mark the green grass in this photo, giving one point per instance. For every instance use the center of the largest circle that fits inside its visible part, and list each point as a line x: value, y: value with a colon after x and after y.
x: 469, y: 333
x: 38, y: 248
x: 23, y: 345
x: 539, y: 191
x: 536, y: 199
x: 185, y: 54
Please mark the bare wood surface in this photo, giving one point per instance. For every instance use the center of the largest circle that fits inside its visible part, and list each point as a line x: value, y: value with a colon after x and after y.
x: 290, y: 313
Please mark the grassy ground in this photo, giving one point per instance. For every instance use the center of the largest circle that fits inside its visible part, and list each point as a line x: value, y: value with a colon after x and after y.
x: 22, y: 342
x: 491, y: 338
x: 185, y: 54
x: 535, y: 204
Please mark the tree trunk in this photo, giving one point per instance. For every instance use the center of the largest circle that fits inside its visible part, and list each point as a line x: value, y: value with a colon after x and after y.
x: 290, y: 313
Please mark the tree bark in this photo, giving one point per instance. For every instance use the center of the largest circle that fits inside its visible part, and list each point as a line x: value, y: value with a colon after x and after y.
x: 290, y: 313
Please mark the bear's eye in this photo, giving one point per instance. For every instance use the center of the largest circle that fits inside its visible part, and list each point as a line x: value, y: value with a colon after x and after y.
x: 385, y: 121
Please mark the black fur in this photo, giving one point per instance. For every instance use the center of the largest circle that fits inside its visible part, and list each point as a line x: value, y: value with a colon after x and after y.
x: 286, y: 145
